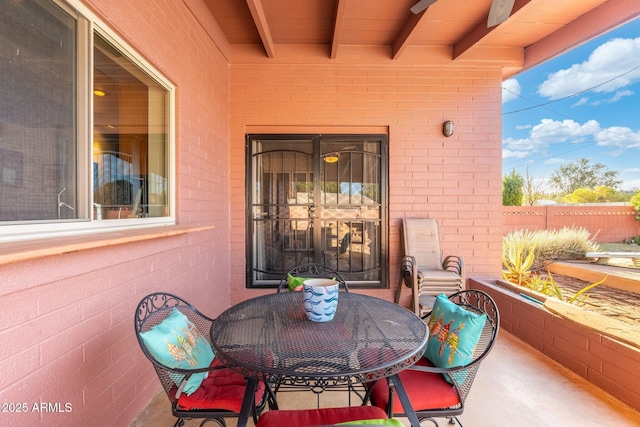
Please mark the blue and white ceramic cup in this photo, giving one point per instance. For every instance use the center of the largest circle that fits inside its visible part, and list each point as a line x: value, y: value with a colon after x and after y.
x: 320, y: 299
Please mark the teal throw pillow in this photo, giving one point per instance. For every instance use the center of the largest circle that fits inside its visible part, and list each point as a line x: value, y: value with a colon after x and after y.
x: 177, y: 343
x: 453, y: 334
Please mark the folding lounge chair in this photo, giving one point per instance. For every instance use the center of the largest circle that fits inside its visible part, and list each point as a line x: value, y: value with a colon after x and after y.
x: 423, y: 270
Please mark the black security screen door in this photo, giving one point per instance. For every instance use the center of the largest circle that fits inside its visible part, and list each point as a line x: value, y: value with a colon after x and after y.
x: 317, y: 198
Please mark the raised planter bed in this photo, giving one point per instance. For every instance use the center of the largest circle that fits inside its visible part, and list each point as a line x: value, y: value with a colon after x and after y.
x: 606, y: 361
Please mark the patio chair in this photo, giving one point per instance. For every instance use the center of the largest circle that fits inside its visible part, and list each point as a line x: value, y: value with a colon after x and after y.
x: 310, y: 271
x: 174, y: 336
x: 307, y: 271
x: 322, y: 417
x: 435, y: 387
x: 423, y: 270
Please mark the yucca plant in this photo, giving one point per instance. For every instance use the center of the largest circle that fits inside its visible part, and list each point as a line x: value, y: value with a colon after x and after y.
x: 546, y: 286
x: 525, y: 252
x: 517, y: 264
x: 580, y: 296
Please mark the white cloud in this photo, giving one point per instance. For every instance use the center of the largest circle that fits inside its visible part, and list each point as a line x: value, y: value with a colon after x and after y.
x: 618, y: 137
x: 555, y: 161
x: 631, y: 184
x: 546, y: 133
x: 631, y: 170
x: 584, y: 100
x: 510, y: 90
x: 551, y: 131
x: 608, y: 68
x: 509, y: 154
x: 522, y: 127
x: 619, y: 95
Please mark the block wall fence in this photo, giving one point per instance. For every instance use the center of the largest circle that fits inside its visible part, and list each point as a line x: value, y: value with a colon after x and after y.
x: 607, y: 224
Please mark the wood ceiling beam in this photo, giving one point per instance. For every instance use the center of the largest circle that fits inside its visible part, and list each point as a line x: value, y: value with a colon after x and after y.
x: 475, y: 36
x: 404, y: 37
x: 338, y: 28
x: 260, y: 20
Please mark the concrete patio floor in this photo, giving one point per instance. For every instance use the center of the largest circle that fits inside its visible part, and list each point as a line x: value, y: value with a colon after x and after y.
x: 516, y: 386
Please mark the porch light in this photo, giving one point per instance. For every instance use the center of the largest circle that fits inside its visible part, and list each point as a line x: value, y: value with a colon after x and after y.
x: 99, y: 92
x: 447, y: 128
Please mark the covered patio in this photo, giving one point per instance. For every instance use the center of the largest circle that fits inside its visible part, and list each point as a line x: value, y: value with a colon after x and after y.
x: 227, y: 69
x: 516, y: 386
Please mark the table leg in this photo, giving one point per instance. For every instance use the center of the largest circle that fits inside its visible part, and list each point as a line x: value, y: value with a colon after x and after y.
x: 248, y: 402
x: 404, y: 399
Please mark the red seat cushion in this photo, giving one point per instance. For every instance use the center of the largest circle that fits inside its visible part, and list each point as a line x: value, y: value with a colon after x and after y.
x: 222, y: 389
x: 426, y: 390
x: 315, y: 417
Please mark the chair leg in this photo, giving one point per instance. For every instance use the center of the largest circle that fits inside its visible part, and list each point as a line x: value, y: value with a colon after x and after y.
x: 399, y: 288
x: 415, y: 297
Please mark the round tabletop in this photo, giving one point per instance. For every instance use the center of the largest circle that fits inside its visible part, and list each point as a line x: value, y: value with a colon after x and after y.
x: 270, y: 336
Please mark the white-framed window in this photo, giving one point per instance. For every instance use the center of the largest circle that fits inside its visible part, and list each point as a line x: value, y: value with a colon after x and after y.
x: 86, y: 126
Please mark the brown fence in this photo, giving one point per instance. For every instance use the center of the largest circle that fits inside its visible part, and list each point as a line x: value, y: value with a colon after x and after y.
x: 606, y: 223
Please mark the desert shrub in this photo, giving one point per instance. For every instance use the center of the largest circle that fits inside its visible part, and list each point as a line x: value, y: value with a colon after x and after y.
x: 632, y: 241
x: 549, y: 245
x: 635, y: 202
x: 524, y: 254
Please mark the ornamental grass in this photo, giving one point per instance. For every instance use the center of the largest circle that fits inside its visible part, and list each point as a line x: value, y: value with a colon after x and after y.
x: 550, y: 245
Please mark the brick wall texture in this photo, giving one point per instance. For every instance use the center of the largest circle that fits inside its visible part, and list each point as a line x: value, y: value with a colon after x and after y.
x: 456, y: 180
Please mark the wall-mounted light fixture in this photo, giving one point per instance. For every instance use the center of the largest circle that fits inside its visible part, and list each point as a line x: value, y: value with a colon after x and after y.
x: 447, y: 128
x: 99, y: 92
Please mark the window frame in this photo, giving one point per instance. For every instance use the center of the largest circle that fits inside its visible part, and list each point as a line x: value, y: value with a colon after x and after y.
x: 88, y: 26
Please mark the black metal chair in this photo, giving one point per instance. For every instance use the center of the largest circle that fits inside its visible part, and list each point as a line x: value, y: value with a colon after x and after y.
x: 312, y: 270
x: 221, y: 393
x: 441, y: 392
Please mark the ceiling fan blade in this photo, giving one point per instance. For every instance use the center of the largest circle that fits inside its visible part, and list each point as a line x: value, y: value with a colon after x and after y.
x: 499, y: 12
x: 422, y: 5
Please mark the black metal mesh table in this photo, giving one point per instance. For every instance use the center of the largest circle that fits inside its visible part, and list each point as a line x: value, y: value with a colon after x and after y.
x: 269, y: 337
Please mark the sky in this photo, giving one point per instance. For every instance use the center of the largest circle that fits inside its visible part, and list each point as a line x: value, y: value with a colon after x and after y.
x: 582, y: 104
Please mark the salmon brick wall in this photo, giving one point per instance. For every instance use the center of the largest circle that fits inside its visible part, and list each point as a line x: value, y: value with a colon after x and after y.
x: 66, y: 323
x: 456, y: 180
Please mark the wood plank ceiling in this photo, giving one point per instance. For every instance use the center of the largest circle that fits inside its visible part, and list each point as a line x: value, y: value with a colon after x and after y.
x: 448, y: 31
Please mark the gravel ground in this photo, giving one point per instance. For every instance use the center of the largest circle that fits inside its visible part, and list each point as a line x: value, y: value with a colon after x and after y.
x: 612, y: 302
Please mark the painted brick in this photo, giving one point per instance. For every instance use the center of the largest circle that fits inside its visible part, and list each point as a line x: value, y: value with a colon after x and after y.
x: 571, y: 333
x: 622, y: 371
x: 621, y: 349
x: 627, y: 392
x: 565, y: 359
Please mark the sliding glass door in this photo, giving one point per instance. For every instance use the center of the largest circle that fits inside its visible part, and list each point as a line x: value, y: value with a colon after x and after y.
x: 317, y: 198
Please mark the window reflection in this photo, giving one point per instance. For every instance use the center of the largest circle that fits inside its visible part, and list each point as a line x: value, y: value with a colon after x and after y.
x: 130, y: 139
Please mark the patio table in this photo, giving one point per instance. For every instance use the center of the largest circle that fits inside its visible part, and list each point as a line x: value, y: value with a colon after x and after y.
x: 269, y: 338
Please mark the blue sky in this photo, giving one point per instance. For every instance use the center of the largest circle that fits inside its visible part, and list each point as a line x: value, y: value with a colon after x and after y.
x: 582, y: 104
